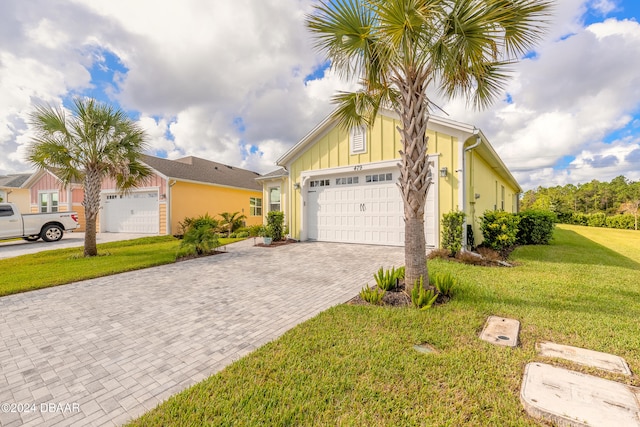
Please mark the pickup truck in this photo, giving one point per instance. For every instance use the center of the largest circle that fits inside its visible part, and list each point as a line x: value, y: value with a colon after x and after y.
x: 31, y: 227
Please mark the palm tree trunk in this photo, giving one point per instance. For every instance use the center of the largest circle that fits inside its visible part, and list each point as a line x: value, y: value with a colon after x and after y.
x: 92, y: 184
x: 415, y: 178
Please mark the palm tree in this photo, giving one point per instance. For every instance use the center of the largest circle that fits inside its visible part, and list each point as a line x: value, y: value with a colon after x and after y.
x: 401, y: 49
x: 95, y: 141
x: 232, y: 221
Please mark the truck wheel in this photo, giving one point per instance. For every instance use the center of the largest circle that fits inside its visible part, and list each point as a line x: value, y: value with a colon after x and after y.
x: 31, y: 238
x: 51, y: 233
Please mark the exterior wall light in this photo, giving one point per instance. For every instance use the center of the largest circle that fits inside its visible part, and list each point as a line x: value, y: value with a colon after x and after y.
x: 443, y: 172
x: 296, y: 185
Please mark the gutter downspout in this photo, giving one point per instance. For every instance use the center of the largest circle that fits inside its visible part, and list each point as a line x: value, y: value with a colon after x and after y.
x: 463, y: 178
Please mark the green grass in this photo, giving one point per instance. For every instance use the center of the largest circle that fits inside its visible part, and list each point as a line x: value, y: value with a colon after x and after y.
x: 355, y: 365
x: 62, y: 266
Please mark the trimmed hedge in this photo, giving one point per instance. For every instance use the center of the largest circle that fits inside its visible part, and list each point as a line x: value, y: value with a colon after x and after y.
x: 452, y: 231
x: 535, y: 227
x: 499, y: 229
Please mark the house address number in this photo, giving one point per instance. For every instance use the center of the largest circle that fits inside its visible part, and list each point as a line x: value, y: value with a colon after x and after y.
x: 357, y: 168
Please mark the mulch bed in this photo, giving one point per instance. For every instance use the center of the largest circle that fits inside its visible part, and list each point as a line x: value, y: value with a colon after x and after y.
x: 397, y: 297
x: 194, y: 256
x: 277, y: 244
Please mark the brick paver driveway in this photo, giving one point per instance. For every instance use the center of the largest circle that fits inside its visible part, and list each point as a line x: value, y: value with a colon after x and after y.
x: 104, y: 351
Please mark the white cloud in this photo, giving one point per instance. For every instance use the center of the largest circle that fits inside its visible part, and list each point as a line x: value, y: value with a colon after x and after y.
x: 225, y: 80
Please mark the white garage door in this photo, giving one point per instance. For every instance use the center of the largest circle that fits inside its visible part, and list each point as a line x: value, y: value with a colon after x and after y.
x: 361, y: 208
x: 131, y: 213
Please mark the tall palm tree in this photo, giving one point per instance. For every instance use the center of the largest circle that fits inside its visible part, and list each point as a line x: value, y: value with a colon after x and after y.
x: 95, y: 141
x: 232, y: 221
x: 402, y: 49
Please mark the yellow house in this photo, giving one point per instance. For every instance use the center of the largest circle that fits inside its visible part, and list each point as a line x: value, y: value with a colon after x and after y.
x: 176, y: 189
x: 12, y: 190
x: 340, y: 185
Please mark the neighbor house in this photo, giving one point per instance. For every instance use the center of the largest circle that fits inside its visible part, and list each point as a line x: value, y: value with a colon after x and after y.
x: 340, y: 185
x: 12, y: 190
x: 176, y: 189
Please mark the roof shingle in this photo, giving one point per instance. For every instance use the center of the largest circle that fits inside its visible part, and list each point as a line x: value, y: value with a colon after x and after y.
x: 13, y: 180
x: 201, y: 170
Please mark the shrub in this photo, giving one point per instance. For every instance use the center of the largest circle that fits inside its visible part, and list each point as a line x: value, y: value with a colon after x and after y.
x: 598, y: 219
x: 452, y: 231
x: 622, y: 221
x: 242, y: 234
x: 372, y: 295
x: 201, y: 240
x: 535, y: 227
x: 233, y: 235
x: 499, y: 229
x: 400, y: 272
x: 422, y: 298
x: 387, y: 280
x: 254, y: 230
x: 444, y: 283
x: 275, y: 224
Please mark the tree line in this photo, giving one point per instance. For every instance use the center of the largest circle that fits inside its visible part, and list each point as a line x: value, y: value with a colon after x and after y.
x: 612, y: 204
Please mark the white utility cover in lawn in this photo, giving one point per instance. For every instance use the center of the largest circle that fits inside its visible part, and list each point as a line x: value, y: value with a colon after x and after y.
x: 136, y: 212
x: 361, y: 209
x: 583, y: 356
x: 501, y: 331
x: 568, y: 398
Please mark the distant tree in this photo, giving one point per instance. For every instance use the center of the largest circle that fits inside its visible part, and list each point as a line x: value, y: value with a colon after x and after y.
x: 92, y: 142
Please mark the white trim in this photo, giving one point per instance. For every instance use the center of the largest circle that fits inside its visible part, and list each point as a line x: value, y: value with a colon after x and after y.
x: 305, y: 175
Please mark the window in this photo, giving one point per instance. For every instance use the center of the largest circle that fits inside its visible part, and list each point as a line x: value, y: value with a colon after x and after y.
x: 346, y: 181
x: 379, y: 177
x: 255, y: 206
x: 502, y: 200
x: 6, y: 211
x: 274, y: 199
x: 319, y: 183
x: 358, y: 140
x: 48, y: 202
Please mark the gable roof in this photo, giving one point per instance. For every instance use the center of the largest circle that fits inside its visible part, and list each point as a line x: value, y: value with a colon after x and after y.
x: 278, y: 173
x: 15, y: 180
x: 201, y: 170
x: 330, y: 122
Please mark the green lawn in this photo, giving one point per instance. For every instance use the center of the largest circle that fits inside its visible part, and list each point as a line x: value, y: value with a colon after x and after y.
x: 355, y: 365
x: 61, y: 266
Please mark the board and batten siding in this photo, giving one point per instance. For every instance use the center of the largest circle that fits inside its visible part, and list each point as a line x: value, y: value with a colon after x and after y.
x: 383, y: 143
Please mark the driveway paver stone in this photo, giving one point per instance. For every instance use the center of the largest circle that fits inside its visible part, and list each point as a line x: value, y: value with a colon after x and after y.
x: 104, y: 351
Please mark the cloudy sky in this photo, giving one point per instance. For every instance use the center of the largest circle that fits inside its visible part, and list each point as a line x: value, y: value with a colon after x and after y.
x: 237, y: 81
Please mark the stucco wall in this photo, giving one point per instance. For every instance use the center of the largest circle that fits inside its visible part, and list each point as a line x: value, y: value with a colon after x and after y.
x: 191, y: 199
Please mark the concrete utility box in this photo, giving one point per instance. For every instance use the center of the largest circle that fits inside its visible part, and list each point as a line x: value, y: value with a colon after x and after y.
x: 568, y: 398
x: 501, y: 331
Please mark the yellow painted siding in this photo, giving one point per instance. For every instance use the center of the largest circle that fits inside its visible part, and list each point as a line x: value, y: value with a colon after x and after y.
x: 191, y: 199
x: 20, y: 197
x: 487, y: 184
x: 81, y: 217
x: 163, y: 218
x: 383, y: 143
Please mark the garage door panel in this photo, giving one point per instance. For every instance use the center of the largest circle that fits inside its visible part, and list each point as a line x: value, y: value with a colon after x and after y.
x: 368, y: 212
x: 131, y: 213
